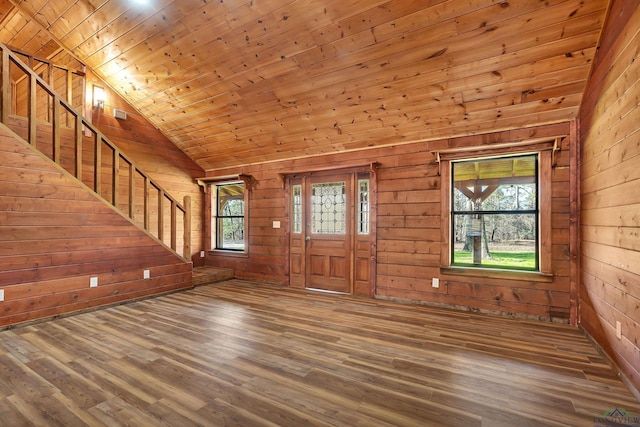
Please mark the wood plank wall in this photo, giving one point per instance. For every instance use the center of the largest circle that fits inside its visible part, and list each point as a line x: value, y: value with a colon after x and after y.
x: 55, y: 236
x: 137, y: 138
x: 155, y: 155
x: 67, y: 161
x: 58, y: 80
x: 408, y: 227
x: 610, y: 183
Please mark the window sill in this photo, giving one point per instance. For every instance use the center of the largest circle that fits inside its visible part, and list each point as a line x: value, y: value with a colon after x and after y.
x: 225, y: 253
x: 533, y: 276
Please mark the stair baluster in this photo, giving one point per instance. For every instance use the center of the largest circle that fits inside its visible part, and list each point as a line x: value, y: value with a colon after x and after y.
x: 68, y: 148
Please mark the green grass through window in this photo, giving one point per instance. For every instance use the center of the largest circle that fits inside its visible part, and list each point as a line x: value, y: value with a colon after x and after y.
x: 519, y: 260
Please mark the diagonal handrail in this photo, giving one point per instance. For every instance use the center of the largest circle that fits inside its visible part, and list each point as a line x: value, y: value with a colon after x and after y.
x: 68, y: 146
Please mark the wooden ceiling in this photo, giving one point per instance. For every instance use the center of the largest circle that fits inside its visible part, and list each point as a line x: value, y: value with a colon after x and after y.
x: 235, y: 82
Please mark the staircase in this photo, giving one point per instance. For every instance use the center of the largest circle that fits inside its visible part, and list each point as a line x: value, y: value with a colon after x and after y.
x: 51, y: 125
x: 207, y: 275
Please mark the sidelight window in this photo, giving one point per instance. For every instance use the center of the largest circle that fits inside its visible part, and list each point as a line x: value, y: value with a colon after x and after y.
x: 363, y: 206
x: 296, y: 208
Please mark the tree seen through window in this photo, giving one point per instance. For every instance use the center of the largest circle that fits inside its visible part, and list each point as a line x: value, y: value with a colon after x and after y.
x: 230, y: 217
x: 495, y: 212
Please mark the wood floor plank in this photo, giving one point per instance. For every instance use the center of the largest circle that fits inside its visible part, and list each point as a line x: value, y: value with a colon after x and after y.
x: 244, y: 353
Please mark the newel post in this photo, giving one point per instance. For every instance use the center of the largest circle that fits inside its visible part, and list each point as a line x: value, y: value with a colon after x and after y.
x: 186, y: 252
x: 5, y: 86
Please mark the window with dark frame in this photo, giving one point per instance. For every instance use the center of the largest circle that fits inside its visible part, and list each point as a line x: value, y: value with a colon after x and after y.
x: 495, y: 213
x: 230, y: 216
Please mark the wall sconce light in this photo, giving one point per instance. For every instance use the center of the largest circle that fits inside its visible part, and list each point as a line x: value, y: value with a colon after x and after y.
x: 98, y: 97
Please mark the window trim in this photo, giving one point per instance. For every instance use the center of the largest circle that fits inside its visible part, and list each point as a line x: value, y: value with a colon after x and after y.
x: 545, y: 153
x: 535, y: 211
x: 214, y: 218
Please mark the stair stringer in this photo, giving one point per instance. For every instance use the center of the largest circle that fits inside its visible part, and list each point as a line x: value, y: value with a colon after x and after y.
x: 56, y: 234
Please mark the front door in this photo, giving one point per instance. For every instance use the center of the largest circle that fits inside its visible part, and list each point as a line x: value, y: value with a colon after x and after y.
x: 331, y: 243
x: 327, y: 233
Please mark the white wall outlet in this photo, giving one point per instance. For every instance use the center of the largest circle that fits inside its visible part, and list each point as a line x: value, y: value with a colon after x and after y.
x: 1, y: 295
x: 276, y: 224
x: 201, y: 254
x: 146, y: 274
x: 435, y: 282
x: 618, y: 330
x: 93, y: 282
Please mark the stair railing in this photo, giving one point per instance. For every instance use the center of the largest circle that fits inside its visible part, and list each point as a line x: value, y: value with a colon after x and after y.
x: 59, y: 131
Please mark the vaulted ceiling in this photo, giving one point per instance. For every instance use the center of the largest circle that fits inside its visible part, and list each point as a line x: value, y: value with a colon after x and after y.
x: 235, y: 82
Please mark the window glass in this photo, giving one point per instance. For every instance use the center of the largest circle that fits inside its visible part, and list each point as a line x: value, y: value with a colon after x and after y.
x: 230, y: 217
x: 363, y: 206
x: 328, y: 208
x: 296, y: 202
x: 495, y: 212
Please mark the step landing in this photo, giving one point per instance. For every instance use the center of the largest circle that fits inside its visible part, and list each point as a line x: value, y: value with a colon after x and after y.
x: 207, y: 275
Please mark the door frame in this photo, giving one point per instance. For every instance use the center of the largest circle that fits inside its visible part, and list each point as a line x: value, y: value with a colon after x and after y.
x: 362, y: 249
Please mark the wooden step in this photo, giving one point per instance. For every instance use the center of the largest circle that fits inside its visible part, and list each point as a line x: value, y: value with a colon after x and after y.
x: 207, y: 275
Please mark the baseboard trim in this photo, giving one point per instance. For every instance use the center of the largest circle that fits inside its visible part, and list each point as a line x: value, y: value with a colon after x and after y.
x: 614, y: 365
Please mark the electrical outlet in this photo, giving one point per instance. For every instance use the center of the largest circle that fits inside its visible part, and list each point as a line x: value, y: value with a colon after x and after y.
x: 146, y: 274
x: 435, y: 282
x: 93, y: 282
x: 276, y: 224
x: 1, y: 295
x: 618, y: 330
x: 201, y: 254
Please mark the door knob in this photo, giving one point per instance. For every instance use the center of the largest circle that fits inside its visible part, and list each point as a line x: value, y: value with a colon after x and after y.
x: 307, y: 238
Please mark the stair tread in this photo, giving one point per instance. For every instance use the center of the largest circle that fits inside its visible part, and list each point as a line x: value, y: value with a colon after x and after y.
x: 207, y: 275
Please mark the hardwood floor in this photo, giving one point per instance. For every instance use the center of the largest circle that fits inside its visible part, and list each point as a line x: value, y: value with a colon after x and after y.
x: 241, y: 353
